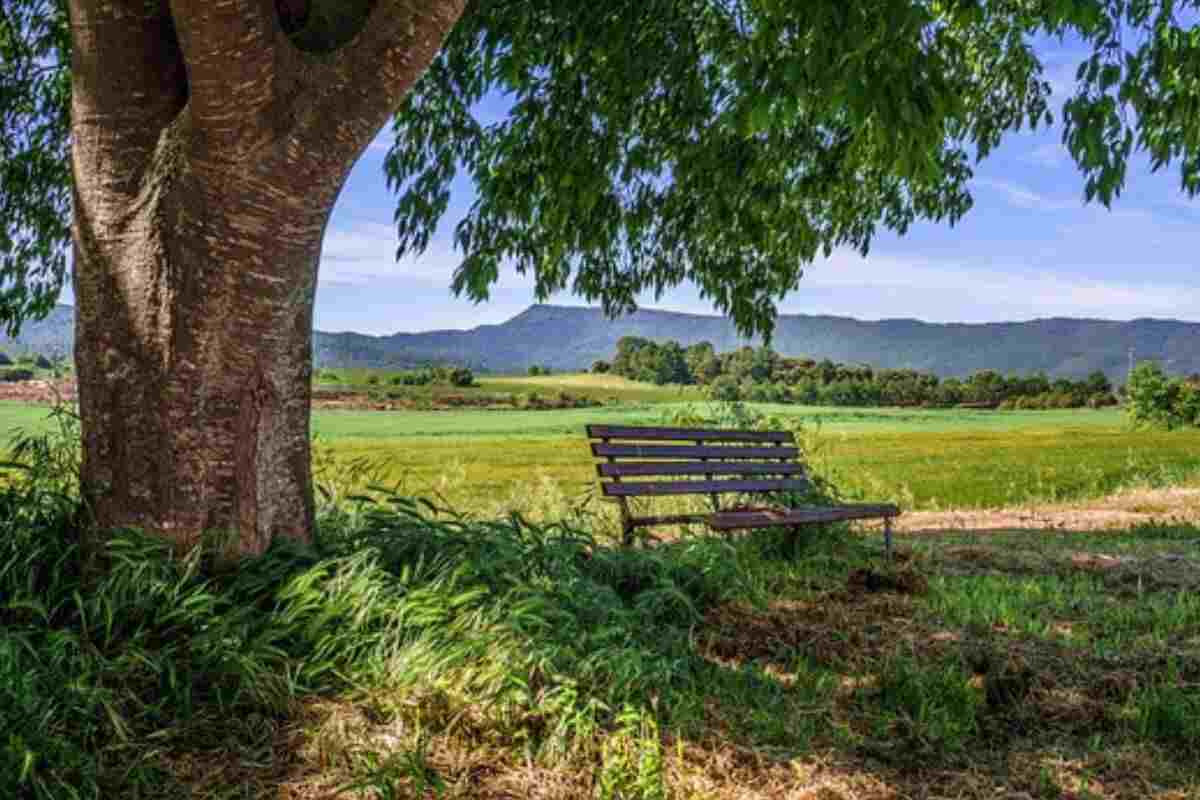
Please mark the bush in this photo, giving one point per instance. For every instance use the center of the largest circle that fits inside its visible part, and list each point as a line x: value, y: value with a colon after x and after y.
x: 372, y: 380
x: 601, y: 367
x: 1156, y: 400
x: 15, y: 374
x: 534, y: 370
x: 5, y: 360
x: 461, y: 377
x: 724, y: 389
x: 41, y: 362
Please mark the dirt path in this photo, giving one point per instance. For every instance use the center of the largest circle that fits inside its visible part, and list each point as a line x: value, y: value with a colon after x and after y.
x: 1121, y: 510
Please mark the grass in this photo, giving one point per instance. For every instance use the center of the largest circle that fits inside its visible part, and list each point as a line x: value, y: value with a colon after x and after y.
x: 605, y: 388
x: 493, y: 456
x: 413, y: 651
x: 919, y: 458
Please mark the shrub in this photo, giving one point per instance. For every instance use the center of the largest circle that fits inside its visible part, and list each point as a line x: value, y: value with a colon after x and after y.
x: 724, y: 389
x: 5, y: 360
x: 534, y: 370
x: 330, y: 377
x: 15, y: 374
x: 1156, y: 400
x: 461, y: 377
x: 372, y: 380
x: 601, y: 367
x: 41, y: 362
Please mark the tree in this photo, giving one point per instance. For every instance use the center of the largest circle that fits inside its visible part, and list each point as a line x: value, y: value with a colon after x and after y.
x: 189, y: 154
x: 1155, y: 399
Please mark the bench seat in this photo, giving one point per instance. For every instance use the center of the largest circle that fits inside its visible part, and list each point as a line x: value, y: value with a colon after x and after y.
x: 641, y: 463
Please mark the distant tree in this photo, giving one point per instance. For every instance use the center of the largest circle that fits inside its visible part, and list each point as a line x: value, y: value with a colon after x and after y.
x: 534, y: 370
x: 461, y: 377
x: 625, y: 361
x: 601, y: 367
x: 1097, y: 383
x: 1152, y: 397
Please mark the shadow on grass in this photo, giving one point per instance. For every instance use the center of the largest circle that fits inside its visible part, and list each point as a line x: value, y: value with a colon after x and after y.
x: 415, y: 653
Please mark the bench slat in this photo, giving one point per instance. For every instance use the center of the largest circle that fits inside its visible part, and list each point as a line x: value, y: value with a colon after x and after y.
x: 684, y: 434
x: 738, y: 520
x: 662, y: 488
x: 693, y: 451
x: 635, y: 468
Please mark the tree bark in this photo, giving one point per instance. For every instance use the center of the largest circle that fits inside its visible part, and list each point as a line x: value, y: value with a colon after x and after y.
x: 203, y: 187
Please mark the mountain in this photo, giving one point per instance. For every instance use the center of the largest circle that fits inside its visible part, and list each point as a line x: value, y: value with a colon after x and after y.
x: 51, y: 337
x: 571, y: 338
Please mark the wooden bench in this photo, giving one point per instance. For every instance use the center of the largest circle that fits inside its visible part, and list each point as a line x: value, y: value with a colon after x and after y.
x: 713, y: 462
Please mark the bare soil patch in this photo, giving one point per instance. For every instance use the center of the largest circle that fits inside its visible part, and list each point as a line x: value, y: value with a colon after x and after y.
x: 41, y: 392
x: 1116, y: 512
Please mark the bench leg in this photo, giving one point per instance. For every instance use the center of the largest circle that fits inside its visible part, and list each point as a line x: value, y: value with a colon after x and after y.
x: 887, y: 536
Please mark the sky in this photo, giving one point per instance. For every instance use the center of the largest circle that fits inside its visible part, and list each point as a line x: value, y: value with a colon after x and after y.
x: 1030, y: 248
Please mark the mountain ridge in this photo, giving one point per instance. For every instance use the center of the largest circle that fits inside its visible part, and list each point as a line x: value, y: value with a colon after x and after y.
x: 572, y: 337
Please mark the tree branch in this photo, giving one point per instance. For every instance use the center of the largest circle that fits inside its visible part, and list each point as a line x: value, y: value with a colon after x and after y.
x: 235, y: 52
x: 362, y: 84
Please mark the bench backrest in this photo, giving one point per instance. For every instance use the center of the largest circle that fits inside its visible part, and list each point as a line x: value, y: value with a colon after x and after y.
x: 695, y: 461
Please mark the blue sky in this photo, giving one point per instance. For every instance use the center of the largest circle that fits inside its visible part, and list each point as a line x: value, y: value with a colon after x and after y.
x: 1029, y: 248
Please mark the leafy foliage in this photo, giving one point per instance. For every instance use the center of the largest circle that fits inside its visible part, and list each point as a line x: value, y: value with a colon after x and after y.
x: 726, y: 144
x: 1156, y: 400
x: 35, y: 175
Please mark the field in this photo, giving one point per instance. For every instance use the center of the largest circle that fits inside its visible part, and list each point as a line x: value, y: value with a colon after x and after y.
x: 923, y: 459
x: 467, y: 653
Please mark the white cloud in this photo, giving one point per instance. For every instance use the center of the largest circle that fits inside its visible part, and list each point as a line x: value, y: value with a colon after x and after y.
x: 975, y: 292
x: 366, y: 252
x: 1050, y: 154
x: 1024, y: 197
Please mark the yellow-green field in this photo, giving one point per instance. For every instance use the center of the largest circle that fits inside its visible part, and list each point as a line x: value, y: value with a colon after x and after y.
x: 923, y: 459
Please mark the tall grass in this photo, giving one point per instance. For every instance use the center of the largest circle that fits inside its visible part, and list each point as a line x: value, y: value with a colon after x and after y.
x: 102, y: 668
x: 127, y: 672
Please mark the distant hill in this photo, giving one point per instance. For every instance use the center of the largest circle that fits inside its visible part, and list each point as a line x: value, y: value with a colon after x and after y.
x: 571, y: 338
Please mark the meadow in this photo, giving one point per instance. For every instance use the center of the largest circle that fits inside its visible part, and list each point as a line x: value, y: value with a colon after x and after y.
x: 923, y: 459
x: 488, y: 640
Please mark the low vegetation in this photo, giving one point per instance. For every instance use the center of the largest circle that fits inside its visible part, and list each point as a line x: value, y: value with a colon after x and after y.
x: 1157, y: 400
x: 415, y: 651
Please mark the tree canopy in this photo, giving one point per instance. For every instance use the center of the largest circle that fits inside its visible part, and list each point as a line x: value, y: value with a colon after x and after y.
x: 723, y: 142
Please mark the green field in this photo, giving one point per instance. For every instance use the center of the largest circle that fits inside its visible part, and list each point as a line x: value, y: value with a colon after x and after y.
x: 486, y: 460
x: 408, y: 654
x: 921, y: 459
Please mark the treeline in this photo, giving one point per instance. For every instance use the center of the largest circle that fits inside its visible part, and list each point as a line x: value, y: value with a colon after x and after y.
x: 762, y: 375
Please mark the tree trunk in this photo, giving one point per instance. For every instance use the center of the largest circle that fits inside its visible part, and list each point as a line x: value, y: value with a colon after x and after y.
x: 207, y: 157
x: 194, y: 349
